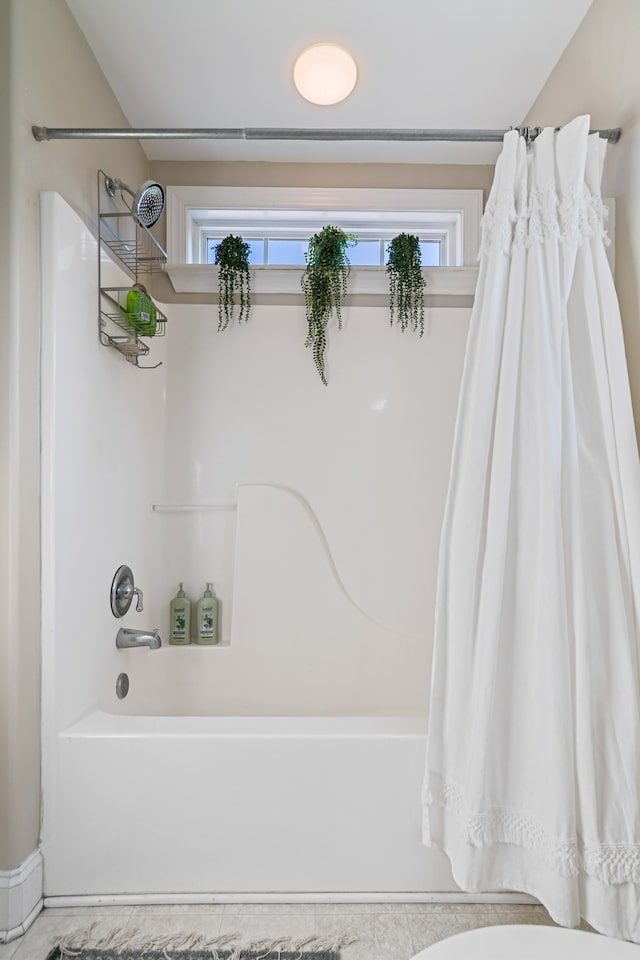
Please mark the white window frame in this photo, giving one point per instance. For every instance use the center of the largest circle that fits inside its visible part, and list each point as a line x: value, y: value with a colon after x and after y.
x: 453, y: 215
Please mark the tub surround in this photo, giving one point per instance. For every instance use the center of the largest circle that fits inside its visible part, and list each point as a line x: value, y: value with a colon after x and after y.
x: 349, y: 479
x: 294, y: 632
x: 289, y: 757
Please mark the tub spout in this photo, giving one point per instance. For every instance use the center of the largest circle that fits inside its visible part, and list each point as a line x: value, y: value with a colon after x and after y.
x: 137, y: 638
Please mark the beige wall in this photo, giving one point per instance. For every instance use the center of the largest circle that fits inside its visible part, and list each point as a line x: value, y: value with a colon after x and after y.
x: 50, y: 78
x: 245, y: 174
x: 6, y: 265
x: 599, y: 73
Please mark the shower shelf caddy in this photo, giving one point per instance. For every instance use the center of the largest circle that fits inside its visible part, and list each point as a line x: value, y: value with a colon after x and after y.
x: 135, y: 249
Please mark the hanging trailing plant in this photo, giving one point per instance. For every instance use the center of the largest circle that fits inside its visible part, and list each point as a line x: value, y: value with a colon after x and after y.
x: 324, y: 283
x: 406, y: 283
x: 232, y: 257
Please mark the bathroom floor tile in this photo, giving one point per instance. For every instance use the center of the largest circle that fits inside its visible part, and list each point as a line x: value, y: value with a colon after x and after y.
x: 269, y: 909
x: 427, y: 929
x: 384, y: 931
x: 150, y: 925
x: 177, y: 910
x: 108, y: 910
x: 521, y: 913
x: 379, y: 936
x: 7, y: 950
x: 268, y: 926
x: 355, y: 909
x: 456, y: 909
x: 41, y: 936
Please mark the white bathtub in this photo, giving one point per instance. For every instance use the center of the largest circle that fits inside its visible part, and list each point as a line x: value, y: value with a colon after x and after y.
x: 206, y: 805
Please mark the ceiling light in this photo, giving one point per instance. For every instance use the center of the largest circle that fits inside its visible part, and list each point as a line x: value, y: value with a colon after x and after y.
x: 325, y: 73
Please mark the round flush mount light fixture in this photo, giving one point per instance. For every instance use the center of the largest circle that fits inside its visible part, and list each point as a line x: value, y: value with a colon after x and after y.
x: 325, y: 73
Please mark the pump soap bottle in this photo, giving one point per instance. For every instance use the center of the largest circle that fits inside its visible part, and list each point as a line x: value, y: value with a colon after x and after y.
x: 207, y: 617
x: 180, y: 615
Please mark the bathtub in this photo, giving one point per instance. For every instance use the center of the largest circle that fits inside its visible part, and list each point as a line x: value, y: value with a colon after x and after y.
x: 229, y: 804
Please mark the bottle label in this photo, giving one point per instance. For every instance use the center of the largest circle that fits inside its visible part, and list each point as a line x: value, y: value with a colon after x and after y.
x: 179, y: 626
x: 208, y: 625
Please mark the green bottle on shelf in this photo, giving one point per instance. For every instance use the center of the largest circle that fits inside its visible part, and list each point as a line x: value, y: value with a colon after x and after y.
x: 141, y: 311
x: 180, y: 618
x: 207, y: 617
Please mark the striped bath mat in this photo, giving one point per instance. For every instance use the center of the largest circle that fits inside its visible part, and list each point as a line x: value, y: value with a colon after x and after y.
x: 126, y: 944
x: 213, y: 954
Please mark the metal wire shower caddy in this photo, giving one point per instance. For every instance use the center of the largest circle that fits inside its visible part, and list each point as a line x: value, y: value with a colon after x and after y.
x: 134, y: 248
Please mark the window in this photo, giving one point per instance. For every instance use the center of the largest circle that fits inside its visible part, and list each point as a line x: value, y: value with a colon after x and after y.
x: 280, y: 252
x: 277, y: 222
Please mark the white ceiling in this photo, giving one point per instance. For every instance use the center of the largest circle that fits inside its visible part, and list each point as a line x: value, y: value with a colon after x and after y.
x: 451, y: 64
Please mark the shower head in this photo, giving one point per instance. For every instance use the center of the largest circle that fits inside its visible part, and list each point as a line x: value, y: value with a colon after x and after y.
x: 148, y: 200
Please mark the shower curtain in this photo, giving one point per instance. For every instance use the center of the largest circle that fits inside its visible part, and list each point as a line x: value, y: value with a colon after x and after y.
x: 533, y: 758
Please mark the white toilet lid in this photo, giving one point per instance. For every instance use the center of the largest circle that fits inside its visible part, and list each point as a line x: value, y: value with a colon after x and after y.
x: 528, y: 942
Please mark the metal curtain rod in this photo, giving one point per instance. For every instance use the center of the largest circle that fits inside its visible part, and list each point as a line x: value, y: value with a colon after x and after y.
x: 285, y: 133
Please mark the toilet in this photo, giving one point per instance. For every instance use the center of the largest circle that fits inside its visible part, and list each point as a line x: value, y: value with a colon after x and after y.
x: 527, y: 942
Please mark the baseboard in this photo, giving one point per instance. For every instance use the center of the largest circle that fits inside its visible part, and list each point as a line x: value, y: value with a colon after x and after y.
x: 147, y: 899
x: 20, y: 897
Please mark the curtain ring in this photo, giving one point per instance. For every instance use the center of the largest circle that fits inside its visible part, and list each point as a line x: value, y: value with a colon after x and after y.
x: 529, y: 133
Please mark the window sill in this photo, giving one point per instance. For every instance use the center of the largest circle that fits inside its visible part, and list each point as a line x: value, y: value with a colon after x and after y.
x: 441, y: 281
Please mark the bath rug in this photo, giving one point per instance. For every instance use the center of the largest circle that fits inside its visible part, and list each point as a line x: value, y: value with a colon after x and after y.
x: 127, y: 944
x: 212, y: 954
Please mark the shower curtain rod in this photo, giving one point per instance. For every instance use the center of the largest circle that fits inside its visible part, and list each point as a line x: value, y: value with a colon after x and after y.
x: 286, y: 133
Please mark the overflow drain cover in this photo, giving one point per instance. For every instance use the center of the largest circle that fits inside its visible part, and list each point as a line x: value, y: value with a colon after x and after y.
x: 122, y: 686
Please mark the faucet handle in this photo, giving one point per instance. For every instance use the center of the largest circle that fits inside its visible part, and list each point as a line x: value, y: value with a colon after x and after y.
x: 138, y: 594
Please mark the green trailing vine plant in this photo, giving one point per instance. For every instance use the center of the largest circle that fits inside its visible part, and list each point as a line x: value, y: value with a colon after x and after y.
x: 232, y: 257
x: 406, y: 283
x: 324, y: 283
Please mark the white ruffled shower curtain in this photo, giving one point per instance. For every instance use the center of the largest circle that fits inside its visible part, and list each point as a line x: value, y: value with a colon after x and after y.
x: 533, y: 758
